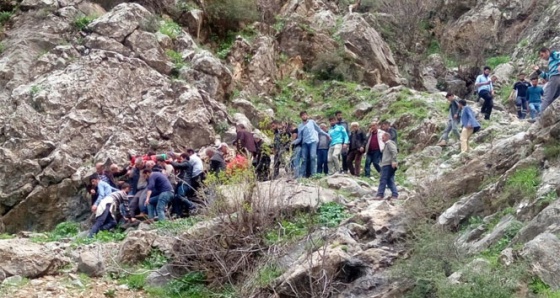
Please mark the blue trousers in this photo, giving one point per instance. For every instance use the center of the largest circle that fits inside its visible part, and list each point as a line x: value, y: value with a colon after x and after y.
x: 308, y: 159
x: 322, y: 161
x: 181, y: 200
x: 387, y: 180
x: 158, y: 204
x: 295, y: 159
x: 535, y: 109
x: 373, y: 157
x: 104, y: 222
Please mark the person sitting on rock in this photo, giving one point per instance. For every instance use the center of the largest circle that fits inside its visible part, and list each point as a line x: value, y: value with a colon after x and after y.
x: 184, y: 189
x: 388, y: 168
x: 356, y: 148
x: 552, y: 88
x: 159, y: 193
x: 262, y: 160
x: 217, y: 162
x: 101, y: 189
x: 244, y: 142
x: 470, y: 125
x: 453, y: 120
x: 109, y: 207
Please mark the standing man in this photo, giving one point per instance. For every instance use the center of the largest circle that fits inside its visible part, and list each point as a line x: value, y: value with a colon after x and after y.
x: 485, y: 89
x: 388, y: 168
x: 245, y: 142
x: 323, y: 152
x: 552, y: 88
x: 281, y: 145
x: 159, y: 193
x: 453, y: 120
x: 374, y: 147
x: 387, y: 127
x: 520, y: 87
x: 295, y: 159
x: 339, y: 142
x: 356, y: 149
x: 198, y: 170
x: 344, y: 153
x: 534, y: 94
x: 308, y: 136
x: 470, y: 125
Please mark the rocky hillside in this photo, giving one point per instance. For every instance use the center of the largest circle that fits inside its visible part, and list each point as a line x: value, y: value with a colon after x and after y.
x: 92, y: 81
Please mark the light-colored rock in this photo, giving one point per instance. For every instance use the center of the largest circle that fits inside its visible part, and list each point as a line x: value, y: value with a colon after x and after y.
x: 362, y: 109
x: 507, y: 257
x: 146, y: 46
x: 541, y: 253
x: 13, y: 280
x: 160, y: 277
x: 546, y: 221
x: 240, y: 118
x: 27, y: 259
x: 121, y: 21
x: 95, y: 41
x: 91, y: 264
x: 507, y: 226
x: 136, y: 247
x: 504, y: 72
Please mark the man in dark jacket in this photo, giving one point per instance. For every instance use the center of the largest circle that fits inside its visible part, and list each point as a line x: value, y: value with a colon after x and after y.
x: 184, y: 190
x: 245, y: 142
x: 217, y: 161
x: 281, y: 145
x: 453, y: 122
x: 159, y: 193
x: 261, y: 162
x: 356, y: 149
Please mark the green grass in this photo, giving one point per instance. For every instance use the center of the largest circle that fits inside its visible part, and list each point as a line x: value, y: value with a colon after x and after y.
x: 61, y: 231
x: 541, y: 289
x: 82, y: 22
x: 176, y: 58
x: 405, y: 105
x: 177, y: 226
x: 524, y: 181
x: 331, y: 214
x: 155, y: 260
x: 2, y: 48
x: 552, y: 149
x: 267, y: 274
x: 493, y: 62
x: 5, y: 236
x: 170, y: 28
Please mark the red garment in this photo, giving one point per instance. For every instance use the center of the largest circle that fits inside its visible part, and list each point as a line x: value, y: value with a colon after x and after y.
x: 374, y: 142
x: 239, y: 163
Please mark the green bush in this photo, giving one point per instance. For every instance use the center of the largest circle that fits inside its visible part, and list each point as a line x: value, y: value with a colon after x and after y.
x: 176, y: 58
x: 2, y: 48
x: 170, y: 28
x: 405, y: 105
x: 331, y: 214
x: 5, y: 16
x: 61, y: 231
x: 493, y: 62
x: 83, y: 21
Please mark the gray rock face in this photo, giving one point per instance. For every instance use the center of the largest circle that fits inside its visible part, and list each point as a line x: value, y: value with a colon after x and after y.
x: 137, y: 247
x: 121, y: 21
x: 542, y: 253
x: 147, y: 46
x: 546, y: 221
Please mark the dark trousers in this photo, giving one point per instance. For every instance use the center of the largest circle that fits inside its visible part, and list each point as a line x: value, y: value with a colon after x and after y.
x: 344, y: 156
x: 488, y: 103
x: 387, y: 180
x: 522, y: 107
x: 354, y: 161
x: 373, y: 157
x: 104, y: 222
x: 181, y: 201
x: 322, y: 161
x: 278, y: 161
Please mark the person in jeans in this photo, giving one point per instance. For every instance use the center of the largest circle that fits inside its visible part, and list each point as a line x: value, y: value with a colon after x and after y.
x: 356, y: 148
x: 374, y: 147
x: 520, y: 87
x: 485, y: 90
x: 534, y: 94
x: 453, y: 120
x: 159, y: 193
x: 108, y: 209
x: 388, y: 168
x: 470, y: 125
x: 184, y: 190
x: 339, y: 141
x: 323, y: 152
x: 344, y: 153
x: 308, y: 136
x: 552, y: 88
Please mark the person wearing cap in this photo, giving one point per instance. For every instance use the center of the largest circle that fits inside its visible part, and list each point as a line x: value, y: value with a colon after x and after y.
x: 453, y: 121
x: 100, y: 188
x: 520, y: 88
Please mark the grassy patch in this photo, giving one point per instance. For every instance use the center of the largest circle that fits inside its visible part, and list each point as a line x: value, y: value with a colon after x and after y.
x: 267, y: 274
x: 552, y: 149
x: 5, y: 16
x: 155, y: 260
x: 170, y: 28
x: 5, y: 236
x: 331, y: 214
x: 82, y: 22
x: 176, y: 58
x: 495, y: 61
x: 405, y: 105
x: 2, y: 48
x: 61, y: 231
x: 538, y: 287
x: 525, y: 181
x: 176, y: 227
x: 290, y: 229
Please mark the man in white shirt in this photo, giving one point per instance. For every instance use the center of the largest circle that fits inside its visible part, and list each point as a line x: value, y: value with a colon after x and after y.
x: 485, y: 90
x: 198, y: 169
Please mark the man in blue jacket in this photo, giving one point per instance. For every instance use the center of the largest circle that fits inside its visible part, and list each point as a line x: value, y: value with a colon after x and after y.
x: 101, y: 189
x: 552, y: 89
x: 339, y: 142
x: 470, y: 125
x: 534, y: 94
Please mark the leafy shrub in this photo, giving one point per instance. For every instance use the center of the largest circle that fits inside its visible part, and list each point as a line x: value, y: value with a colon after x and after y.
x: 331, y: 214
x: 61, y: 231
x: 5, y: 16
x: 493, y: 62
x: 267, y: 274
x: 176, y: 58
x: 175, y: 227
x: 83, y: 21
x: 135, y: 281
x: 170, y: 28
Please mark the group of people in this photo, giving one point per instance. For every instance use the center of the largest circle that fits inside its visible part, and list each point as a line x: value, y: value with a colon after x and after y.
x: 528, y: 96
x: 152, y: 182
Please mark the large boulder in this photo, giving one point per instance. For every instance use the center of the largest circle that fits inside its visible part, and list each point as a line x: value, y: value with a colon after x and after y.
x: 137, y: 247
x: 146, y: 45
x: 121, y: 21
x: 27, y: 259
x: 91, y: 264
x: 541, y: 252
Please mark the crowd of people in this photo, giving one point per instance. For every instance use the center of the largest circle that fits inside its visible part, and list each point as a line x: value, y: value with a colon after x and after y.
x: 151, y: 183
